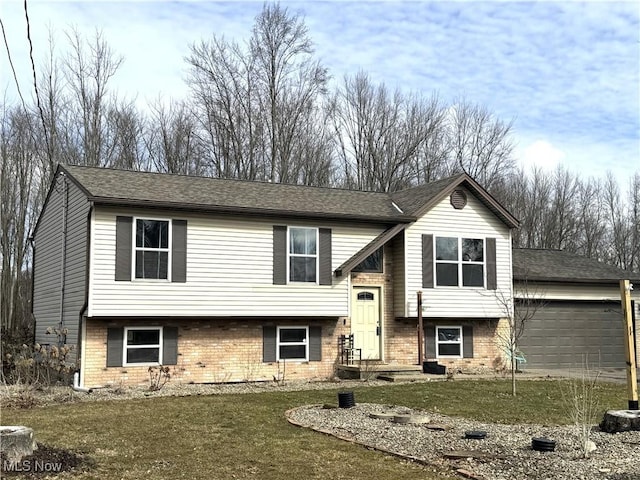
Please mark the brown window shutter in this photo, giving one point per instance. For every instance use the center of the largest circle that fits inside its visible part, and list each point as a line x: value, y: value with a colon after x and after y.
x: 169, y: 345
x: 467, y: 341
x: 114, y: 347
x: 427, y: 261
x: 179, y: 251
x: 315, y: 344
x: 325, y: 256
x: 268, y: 344
x: 124, y: 241
x: 279, y: 255
x: 492, y: 277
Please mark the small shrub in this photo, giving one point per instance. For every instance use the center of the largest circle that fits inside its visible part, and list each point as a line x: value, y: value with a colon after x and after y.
x: 581, y: 398
x: 158, y: 377
x: 38, y: 365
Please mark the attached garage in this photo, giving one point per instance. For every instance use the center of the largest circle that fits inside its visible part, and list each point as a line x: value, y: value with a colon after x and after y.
x: 579, y: 314
x: 563, y: 334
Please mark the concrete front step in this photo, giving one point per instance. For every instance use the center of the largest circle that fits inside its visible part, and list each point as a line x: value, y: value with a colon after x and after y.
x: 376, y: 370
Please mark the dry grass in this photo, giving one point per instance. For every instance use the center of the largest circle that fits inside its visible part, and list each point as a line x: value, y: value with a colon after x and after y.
x: 246, y: 436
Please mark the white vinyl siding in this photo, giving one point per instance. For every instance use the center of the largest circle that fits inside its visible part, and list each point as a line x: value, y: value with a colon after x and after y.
x: 229, y: 272
x: 473, y: 221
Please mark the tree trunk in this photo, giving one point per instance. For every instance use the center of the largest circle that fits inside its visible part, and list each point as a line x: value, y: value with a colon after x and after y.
x: 620, y: 421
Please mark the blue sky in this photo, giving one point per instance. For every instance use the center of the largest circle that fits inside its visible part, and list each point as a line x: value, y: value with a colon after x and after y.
x: 567, y: 73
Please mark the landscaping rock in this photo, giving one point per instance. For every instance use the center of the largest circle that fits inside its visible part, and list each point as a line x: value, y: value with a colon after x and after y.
x: 505, y: 454
x: 16, y: 443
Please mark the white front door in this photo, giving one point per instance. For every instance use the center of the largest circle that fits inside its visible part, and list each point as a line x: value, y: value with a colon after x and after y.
x: 365, y: 321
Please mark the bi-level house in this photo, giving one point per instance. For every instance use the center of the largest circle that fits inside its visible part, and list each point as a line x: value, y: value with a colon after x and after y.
x: 228, y: 280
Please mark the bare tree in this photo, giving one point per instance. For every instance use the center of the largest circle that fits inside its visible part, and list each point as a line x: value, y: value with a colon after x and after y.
x: 559, y: 226
x: 259, y: 103
x: 288, y: 81
x: 634, y: 221
x: 381, y: 135
x: 518, y: 311
x: 173, y: 144
x: 591, y: 219
x: 620, y: 230
x: 221, y: 82
x: 88, y: 68
x: 18, y: 185
x: 480, y: 143
x: 125, y: 130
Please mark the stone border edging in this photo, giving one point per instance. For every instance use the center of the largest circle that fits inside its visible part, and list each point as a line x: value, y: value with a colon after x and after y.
x: 411, y: 458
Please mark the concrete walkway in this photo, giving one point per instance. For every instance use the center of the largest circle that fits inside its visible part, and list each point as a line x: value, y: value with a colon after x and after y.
x: 612, y: 375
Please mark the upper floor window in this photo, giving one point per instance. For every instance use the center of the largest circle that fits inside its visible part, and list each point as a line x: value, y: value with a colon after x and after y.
x: 460, y: 262
x: 152, y: 249
x: 303, y: 256
x: 371, y: 264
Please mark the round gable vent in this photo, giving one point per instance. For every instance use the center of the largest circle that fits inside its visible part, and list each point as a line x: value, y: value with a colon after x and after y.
x: 458, y: 199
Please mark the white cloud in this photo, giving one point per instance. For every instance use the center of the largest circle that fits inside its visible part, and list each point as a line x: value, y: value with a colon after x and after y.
x: 542, y: 154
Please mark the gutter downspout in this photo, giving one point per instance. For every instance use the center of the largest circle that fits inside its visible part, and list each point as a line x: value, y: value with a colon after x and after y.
x: 82, y: 326
x: 62, y: 338
x: 76, y: 384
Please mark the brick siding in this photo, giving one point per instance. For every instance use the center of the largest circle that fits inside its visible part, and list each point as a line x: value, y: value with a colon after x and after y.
x: 211, y: 351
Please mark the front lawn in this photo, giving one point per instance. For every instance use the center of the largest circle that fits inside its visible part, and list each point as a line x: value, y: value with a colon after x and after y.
x: 246, y: 436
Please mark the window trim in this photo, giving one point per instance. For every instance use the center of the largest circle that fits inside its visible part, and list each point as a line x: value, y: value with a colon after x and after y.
x: 447, y: 342
x: 305, y: 343
x: 135, y: 249
x: 460, y: 262
x: 316, y: 255
x: 126, y: 347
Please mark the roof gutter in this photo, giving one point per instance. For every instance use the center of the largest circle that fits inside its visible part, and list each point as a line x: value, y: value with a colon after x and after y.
x: 247, y: 211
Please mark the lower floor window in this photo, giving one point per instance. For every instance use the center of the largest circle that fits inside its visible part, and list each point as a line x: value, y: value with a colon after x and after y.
x: 292, y: 343
x: 449, y: 341
x: 142, y: 345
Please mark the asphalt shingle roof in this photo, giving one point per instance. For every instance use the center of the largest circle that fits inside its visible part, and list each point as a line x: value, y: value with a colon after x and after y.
x: 162, y: 190
x: 110, y: 186
x: 561, y: 266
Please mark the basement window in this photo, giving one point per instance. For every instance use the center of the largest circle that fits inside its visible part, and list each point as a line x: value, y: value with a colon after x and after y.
x: 449, y: 342
x: 142, y: 346
x: 292, y: 343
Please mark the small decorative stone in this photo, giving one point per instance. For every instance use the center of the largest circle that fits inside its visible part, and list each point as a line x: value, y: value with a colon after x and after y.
x: 413, y: 419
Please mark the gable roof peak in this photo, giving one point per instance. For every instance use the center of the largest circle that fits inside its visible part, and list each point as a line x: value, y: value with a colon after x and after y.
x: 419, y: 200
